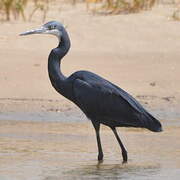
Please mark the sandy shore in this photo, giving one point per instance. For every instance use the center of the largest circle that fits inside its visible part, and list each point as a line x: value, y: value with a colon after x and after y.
x: 49, y: 138
x: 138, y: 52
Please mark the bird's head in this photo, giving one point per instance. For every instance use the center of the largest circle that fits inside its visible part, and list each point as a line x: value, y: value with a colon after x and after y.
x: 52, y: 27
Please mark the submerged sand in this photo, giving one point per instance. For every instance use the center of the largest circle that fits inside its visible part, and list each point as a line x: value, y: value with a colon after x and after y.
x: 51, y: 151
x: 43, y: 136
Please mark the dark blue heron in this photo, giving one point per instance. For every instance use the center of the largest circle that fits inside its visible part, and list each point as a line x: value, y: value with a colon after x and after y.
x: 100, y: 100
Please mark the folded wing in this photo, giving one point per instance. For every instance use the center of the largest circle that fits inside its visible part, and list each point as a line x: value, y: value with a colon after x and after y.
x: 101, y: 100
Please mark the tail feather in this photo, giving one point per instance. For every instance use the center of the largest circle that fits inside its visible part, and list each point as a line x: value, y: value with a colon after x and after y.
x: 151, y: 122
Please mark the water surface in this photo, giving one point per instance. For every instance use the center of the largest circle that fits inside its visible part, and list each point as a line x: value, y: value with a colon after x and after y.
x: 46, y: 147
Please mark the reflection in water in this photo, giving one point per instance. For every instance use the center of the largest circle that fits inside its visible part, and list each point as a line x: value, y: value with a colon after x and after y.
x: 115, y: 171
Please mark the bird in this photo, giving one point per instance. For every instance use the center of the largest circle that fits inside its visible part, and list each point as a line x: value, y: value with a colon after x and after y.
x: 100, y: 100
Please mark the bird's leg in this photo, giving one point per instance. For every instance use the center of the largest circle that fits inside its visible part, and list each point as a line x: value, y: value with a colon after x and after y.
x: 100, y: 152
x: 124, y: 152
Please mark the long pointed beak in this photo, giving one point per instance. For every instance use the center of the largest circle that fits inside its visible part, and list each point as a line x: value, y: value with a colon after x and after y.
x: 34, y: 31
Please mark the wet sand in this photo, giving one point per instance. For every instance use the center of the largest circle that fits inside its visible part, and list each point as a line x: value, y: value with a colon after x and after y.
x: 43, y: 136
x: 53, y: 151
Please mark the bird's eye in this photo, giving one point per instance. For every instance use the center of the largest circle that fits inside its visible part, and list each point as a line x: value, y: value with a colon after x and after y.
x: 51, y: 27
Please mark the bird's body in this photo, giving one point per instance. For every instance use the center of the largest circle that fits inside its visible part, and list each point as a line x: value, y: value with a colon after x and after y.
x: 101, y: 101
x: 108, y: 104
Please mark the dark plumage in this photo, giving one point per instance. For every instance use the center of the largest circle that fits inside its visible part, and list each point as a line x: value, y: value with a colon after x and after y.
x: 101, y: 101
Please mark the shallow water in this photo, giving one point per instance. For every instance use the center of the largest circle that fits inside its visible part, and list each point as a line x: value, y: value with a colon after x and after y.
x: 131, y: 171
x: 81, y: 166
x: 170, y: 116
x: 47, y: 147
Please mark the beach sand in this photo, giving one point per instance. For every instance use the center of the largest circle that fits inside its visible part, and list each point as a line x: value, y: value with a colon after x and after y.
x: 43, y: 136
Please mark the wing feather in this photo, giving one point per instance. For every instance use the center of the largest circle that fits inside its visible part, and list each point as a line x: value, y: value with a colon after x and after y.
x: 105, y: 90
x: 102, y: 100
x: 105, y: 103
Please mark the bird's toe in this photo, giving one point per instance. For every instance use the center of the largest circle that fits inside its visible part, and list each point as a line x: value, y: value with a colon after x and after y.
x: 100, y: 157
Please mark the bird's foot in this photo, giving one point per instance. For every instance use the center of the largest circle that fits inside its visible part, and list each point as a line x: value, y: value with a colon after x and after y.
x: 100, y: 158
x: 125, y: 157
x: 124, y: 162
x: 100, y: 161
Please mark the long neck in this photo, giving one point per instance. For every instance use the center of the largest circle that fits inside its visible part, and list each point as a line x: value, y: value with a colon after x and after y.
x: 58, y: 80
